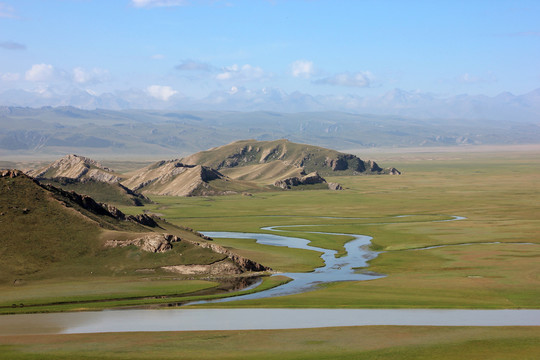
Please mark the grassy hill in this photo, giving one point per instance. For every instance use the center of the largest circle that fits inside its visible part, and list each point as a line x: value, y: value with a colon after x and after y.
x: 177, y: 179
x: 86, y: 176
x: 111, y: 193
x: 268, y: 161
x: 76, y: 167
x: 50, y: 234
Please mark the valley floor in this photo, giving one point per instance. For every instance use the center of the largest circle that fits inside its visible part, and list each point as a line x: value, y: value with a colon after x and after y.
x: 496, y: 191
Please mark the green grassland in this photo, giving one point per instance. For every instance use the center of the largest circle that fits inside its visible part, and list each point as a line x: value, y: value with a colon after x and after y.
x: 496, y: 192
x: 369, y: 342
x: 53, y: 258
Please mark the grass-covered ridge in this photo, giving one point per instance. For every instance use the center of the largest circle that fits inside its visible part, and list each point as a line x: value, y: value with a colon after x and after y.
x: 261, y: 157
x: 54, y: 239
x: 110, y: 193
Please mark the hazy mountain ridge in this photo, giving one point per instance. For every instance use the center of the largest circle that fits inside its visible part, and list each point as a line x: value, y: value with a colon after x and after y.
x: 504, y: 106
x: 177, y: 133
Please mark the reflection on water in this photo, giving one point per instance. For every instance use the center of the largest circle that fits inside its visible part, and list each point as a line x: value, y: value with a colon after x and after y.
x: 251, y: 319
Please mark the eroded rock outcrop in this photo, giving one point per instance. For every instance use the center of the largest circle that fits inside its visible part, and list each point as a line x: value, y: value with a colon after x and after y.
x: 309, y: 179
x: 88, y: 203
x: 223, y: 267
x: 11, y: 173
x: 334, y: 186
x: 154, y: 243
x: 244, y: 264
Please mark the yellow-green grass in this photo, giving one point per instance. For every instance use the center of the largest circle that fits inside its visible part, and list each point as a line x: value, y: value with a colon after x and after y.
x: 92, y: 294
x: 496, y: 192
x: 96, y: 293
x: 284, y: 259
x: 474, y: 276
x: 369, y: 342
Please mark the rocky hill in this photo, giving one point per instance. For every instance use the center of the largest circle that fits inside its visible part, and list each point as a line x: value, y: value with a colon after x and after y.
x: 174, y: 178
x: 270, y: 161
x: 76, y: 167
x: 50, y: 233
x: 86, y: 176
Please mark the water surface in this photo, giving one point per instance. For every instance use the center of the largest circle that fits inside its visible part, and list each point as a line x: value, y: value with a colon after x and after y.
x: 254, y: 319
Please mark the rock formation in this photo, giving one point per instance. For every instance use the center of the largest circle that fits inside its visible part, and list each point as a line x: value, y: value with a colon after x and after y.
x: 309, y: 179
x: 154, y: 243
x: 76, y: 167
x: 174, y: 178
x: 334, y: 186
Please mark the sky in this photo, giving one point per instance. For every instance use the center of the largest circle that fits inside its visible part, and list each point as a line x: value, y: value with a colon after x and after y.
x: 192, y: 48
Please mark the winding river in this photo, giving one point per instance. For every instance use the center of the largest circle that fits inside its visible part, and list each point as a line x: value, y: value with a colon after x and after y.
x: 334, y: 269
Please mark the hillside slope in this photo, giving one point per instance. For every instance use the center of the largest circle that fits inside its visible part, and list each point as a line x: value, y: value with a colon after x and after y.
x: 48, y: 233
x: 274, y: 160
x: 174, y: 178
x: 76, y: 167
x: 86, y: 176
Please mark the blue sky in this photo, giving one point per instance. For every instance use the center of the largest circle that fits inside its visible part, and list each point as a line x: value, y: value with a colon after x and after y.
x: 192, y: 48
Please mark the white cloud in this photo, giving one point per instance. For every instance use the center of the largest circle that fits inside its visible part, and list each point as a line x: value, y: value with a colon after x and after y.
x: 157, y: 3
x: 158, y: 56
x: 302, y: 68
x: 359, y: 79
x: 241, y: 73
x: 6, y: 11
x: 161, y: 92
x: 82, y: 76
x: 10, y: 76
x: 40, y: 72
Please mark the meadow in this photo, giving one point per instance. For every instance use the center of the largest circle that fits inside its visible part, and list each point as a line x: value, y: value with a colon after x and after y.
x: 367, y: 342
x: 490, y: 260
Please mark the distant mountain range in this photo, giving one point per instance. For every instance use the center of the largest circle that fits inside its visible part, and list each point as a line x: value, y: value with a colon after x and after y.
x: 54, y: 131
x: 505, y: 106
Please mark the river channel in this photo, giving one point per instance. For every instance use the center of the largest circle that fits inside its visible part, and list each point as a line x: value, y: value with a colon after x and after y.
x: 334, y: 269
